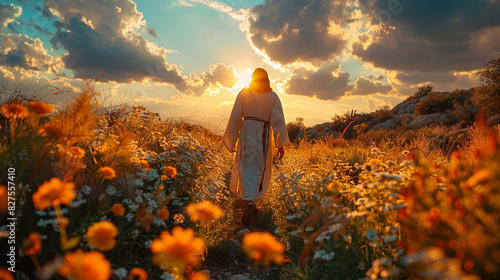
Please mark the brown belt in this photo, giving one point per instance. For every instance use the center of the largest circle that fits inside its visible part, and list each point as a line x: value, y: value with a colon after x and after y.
x: 265, y: 138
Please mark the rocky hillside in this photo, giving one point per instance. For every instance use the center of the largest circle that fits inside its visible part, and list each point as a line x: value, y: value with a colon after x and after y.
x: 426, y: 107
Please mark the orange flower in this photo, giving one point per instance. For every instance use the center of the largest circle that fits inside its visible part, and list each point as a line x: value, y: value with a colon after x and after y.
x: 49, y: 130
x: 480, y: 177
x: 107, y: 172
x: 118, y: 210
x: 179, y: 248
x: 39, y: 108
x: 14, y: 111
x: 163, y: 214
x: 170, y: 171
x: 3, y: 199
x: 203, y: 211
x: 144, y: 164
x: 200, y: 275
x: 85, y: 266
x: 5, y: 274
x: 164, y: 177
x: 262, y: 246
x: 101, y: 235
x: 137, y: 273
x: 51, y: 190
x: 77, y: 152
x: 33, y: 244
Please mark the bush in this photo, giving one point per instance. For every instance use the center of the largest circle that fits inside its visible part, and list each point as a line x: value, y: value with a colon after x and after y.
x: 487, y: 96
x: 294, y: 128
x: 434, y: 103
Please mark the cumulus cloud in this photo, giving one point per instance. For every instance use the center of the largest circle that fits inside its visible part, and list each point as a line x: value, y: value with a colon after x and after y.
x: 326, y: 83
x: 290, y: 31
x: 365, y: 86
x: 8, y: 13
x: 433, y: 36
x: 218, y: 75
x: 105, y: 35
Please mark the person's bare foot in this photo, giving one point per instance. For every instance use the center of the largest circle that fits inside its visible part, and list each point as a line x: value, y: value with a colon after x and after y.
x: 249, y: 214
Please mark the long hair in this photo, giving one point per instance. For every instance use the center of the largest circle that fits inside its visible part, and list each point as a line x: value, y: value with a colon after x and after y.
x: 260, y: 81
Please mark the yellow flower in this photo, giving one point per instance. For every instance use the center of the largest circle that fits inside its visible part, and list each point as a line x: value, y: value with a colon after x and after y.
x: 101, y: 235
x: 336, y: 186
x: 203, y: 211
x: 33, y: 244
x: 3, y: 199
x: 81, y: 265
x: 118, y: 210
x: 144, y: 164
x: 179, y: 248
x: 51, y: 190
x: 480, y: 177
x: 170, y: 171
x: 162, y: 214
x: 138, y: 273
x: 77, y: 152
x: 107, y: 172
x: 5, y: 274
x: 14, y: 111
x: 262, y: 246
x: 39, y: 108
x: 200, y: 275
x: 49, y: 130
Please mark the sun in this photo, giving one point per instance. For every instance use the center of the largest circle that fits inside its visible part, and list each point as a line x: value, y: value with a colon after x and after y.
x: 244, y: 78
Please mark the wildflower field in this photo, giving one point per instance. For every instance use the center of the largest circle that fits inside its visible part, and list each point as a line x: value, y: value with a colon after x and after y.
x: 124, y: 195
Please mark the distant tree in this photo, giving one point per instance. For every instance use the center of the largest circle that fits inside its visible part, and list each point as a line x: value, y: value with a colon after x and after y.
x: 294, y: 128
x: 422, y: 91
x: 487, y: 96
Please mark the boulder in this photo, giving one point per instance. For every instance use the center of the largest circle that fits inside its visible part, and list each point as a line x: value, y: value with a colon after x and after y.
x: 424, y: 120
x: 410, y: 109
x: 402, y: 106
x: 448, y: 119
x: 389, y: 124
x: 240, y: 277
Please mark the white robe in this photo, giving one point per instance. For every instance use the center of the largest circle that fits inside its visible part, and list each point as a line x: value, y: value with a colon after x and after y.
x: 251, y: 173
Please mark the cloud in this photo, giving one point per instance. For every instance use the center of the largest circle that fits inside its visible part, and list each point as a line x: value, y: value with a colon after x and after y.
x: 326, y: 83
x: 289, y: 31
x: 151, y: 31
x: 365, y: 86
x: 8, y: 13
x: 105, y: 35
x: 218, y: 75
x: 433, y: 36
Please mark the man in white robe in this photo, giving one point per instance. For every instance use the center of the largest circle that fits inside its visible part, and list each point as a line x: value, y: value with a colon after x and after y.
x: 256, y: 119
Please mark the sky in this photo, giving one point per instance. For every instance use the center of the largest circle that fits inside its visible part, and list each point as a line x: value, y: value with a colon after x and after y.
x: 188, y: 59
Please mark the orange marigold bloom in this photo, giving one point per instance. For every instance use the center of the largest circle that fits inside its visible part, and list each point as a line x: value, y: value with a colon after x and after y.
x: 3, y: 199
x: 118, y: 210
x: 107, y: 172
x: 180, y: 247
x: 49, y: 130
x: 262, y: 246
x: 138, y: 273
x: 480, y: 177
x: 170, y: 171
x: 200, y: 275
x: 51, y: 190
x: 203, y: 211
x: 33, y: 244
x: 144, y: 164
x: 85, y: 266
x: 14, y: 111
x: 164, y: 177
x: 163, y: 213
x: 5, y: 274
x: 77, y: 152
x: 101, y: 235
x: 39, y: 108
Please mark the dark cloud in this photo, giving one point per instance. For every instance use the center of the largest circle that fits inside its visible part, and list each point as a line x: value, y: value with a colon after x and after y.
x: 420, y: 78
x: 8, y: 13
x: 218, y: 75
x: 365, y: 86
x: 327, y: 83
x: 298, y: 31
x: 152, y: 31
x: 121, y: 59
x: 433, y: 36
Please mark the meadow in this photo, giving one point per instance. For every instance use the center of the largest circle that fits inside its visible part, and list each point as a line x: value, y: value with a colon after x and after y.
x: 120, y: 194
